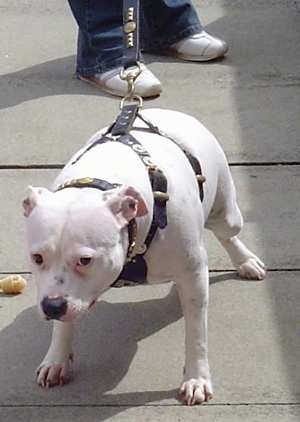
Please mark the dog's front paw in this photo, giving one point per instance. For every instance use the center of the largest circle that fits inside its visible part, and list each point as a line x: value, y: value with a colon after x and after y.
x: 53, y: 371
x: 196, y: 391
x: 253, y: 269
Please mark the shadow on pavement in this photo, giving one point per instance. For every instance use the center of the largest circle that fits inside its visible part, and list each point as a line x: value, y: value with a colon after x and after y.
x: 106, y: 342
x: 43, y: 80
x: 267, y: 109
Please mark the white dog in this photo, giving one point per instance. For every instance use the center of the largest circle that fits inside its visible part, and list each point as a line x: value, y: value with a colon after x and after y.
x: 79, y: 241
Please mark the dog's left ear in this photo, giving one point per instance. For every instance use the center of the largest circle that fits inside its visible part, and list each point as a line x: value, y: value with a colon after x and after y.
x: 128, y: 203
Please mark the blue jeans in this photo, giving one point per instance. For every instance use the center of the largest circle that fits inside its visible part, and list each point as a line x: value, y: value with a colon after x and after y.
x: 100, y: 34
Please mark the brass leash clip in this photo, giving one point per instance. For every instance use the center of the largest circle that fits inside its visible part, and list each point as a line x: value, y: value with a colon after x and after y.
x: 130, y: 77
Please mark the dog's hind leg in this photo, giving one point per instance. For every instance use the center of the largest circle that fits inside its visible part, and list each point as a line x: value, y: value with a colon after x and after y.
x: 226, y: 221
x: 247, y: 264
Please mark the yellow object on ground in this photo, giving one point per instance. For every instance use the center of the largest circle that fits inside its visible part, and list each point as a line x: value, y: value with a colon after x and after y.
x: 13, y: 284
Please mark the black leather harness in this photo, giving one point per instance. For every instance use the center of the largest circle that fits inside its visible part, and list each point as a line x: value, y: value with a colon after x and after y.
x: 135, y: 269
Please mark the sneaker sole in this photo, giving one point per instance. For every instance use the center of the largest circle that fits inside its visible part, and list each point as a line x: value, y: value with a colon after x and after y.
x: 192, y: 58
x: 154, y: 91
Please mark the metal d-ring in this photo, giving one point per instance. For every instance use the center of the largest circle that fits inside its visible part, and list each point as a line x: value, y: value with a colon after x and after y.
x: 132, y: 97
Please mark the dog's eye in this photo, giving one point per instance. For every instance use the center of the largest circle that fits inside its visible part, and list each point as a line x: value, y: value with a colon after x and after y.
x: 85, y: 260
x: 38, y: 259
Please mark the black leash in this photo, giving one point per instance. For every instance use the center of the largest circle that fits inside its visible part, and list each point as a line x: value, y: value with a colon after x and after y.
x: 131, y: 20
x: 131, y: 51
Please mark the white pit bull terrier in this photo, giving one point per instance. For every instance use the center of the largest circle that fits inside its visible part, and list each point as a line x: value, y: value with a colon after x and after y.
x: 78, y: 238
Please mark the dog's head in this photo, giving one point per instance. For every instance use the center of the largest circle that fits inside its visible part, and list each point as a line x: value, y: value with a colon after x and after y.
x: 77, y: 243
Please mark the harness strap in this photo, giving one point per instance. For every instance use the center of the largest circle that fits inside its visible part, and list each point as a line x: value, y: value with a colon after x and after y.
x: 134, y: 272
x: 125, y: 120
x: 198, y: 172
x: 158, y: 180
x: 121, y: 126
x: 88, y: 182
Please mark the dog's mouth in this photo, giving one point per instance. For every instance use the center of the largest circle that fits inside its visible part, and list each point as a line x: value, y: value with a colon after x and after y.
x: 92, y: 303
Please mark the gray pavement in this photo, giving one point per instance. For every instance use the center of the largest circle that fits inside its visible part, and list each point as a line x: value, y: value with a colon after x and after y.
x: 129, y: 350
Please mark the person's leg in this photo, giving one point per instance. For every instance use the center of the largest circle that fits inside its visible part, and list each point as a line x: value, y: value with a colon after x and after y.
x: 100, y: 48
x: 167, y: 26
x: 172, y: 27
x: 165, y: 22
x: 100, y: 35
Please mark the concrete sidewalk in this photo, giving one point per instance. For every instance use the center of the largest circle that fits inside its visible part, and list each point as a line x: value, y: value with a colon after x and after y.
x: 129, y: 350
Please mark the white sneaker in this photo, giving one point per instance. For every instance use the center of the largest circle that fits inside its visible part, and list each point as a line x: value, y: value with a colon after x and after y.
x: 199, y: 48
x: 146, y: 84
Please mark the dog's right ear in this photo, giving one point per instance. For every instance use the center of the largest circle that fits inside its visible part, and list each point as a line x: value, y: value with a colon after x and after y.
x: 32, y: 199
x: 30, y: 202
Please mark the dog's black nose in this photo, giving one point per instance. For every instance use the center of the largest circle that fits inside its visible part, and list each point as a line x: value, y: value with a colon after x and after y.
x: 54, y: 307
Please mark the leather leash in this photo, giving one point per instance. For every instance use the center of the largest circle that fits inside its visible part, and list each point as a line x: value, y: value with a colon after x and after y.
x: 131, y: 19
x: 131, y: 51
